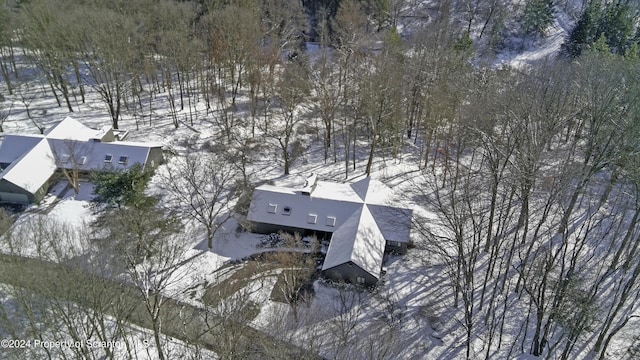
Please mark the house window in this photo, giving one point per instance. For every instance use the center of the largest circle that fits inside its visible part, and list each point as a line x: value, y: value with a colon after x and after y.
x: 360, y: 280
x: 271, y: 208
x: 286, y: 210
x: 331, y: 221
x: 64, y: 158
x: 123, y: 160
x: 82, y: 161
x: 108, y: 158
x: 312, y: 218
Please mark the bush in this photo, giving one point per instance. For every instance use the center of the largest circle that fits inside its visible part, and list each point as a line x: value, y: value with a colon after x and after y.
x: 122, y: 187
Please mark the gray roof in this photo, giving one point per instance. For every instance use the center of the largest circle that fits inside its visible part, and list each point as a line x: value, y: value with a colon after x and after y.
x: 359, y: 215
x: 269, y: 203
x: 92, y: 156
x: 15, y: 146
x: 68, y: 144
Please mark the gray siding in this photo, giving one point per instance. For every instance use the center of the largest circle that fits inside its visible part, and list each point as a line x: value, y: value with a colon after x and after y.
x: 8, y: 187
x: 263, y: 228
x: 108, y: 136
x: 350, y: 272
x: 154, y: 159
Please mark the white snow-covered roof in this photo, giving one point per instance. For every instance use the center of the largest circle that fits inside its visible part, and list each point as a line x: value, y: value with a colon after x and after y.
x: 71, y: 129
x: 358, y: 240
x: 359, y: 215
x: 336, y: 191
x: 32, y: 169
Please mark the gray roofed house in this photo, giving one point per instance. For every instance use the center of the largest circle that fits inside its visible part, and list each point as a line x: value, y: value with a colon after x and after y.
x: 359, y: 217
x: 29, y: 161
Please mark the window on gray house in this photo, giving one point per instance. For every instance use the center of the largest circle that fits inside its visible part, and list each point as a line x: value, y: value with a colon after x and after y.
x: 123, y: 160
x: 286, y: 210
x: 108, y: 158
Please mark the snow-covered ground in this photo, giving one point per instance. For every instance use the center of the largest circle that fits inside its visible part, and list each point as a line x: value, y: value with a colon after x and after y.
x: 412, y: 305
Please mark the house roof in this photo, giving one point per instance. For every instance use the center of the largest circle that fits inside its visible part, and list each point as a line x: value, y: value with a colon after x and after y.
x: 359, y: 215
x: 71, y: 129
x: 68, y: 144
x: 358, y: 240
x: 269, y: 205
x: 14, y: 146
x: 32, y: 170
x: 394, y: 222
x: 92, y: 156
x: 329, y: 200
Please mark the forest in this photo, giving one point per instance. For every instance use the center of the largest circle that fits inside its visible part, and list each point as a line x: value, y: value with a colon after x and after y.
x: 525, y: 179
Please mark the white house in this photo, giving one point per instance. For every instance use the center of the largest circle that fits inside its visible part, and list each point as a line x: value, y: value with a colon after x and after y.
x: 27, y: 162
x: 358, y: 217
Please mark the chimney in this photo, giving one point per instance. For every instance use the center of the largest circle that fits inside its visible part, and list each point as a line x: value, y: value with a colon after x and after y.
x: 309, y: 185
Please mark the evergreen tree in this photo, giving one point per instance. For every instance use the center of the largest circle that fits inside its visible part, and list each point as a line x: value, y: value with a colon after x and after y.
x: 616, y: 22
x: 632, y: 52
x: 122, y: 187
x: 601, y: 46
x: 538, y: 15
x: 617, y: 25
x: 585, y: 31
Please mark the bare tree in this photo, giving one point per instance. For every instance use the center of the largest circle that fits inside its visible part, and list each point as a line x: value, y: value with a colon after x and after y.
x: 108, y: 54
x: 147, y: 246
x: 291, y: 92
x: 297, y: 264
x: 4, y: 115
x: 201, y: 186
x: 27, y: 93
x: 7, y: 61
x: 70, y: 157
x: 328, y: 96
x: 347, y: 310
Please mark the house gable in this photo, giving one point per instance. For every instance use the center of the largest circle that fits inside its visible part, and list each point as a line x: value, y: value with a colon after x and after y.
x: 33, y: 169
x: 350, y: 272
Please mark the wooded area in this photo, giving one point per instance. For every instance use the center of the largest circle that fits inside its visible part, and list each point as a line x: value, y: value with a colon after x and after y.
x: 529, y: 176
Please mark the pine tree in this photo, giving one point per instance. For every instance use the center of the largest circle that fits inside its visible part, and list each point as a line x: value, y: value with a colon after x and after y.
x: 617, y: 24
x: 585, y: 31
x: 538, y: 15
x: 601, y: 46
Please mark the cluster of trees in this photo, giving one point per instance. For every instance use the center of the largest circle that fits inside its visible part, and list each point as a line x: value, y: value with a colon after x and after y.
x: 200, y: 57
x: 100, y: 282
x: 614, y: 23
x: 532, y: 173
x: 537, y: 208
